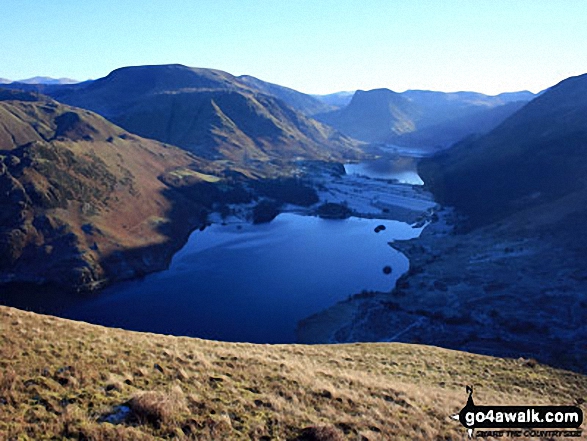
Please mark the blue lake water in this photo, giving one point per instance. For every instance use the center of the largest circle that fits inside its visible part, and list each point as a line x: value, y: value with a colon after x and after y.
x: 243, y: 282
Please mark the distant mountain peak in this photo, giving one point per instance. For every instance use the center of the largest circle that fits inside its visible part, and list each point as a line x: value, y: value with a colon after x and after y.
x: 422, y: 118
x: 373, y: 115
x: 337, y: 99
x: 376, y: 96
x: 213, y: 114
x: 47, y: 80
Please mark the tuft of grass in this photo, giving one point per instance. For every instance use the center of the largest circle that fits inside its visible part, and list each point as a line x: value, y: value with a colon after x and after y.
x: 158, y: 407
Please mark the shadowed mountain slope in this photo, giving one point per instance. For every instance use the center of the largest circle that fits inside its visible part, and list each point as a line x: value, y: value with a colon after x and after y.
x: 306, y: 104
x: 80, y: 193
x: 421, y: 118
x: 211, y: 113
x: 374, y: 115
x: 442, y: 107
x: 480, y: 119
x: 536, y: 157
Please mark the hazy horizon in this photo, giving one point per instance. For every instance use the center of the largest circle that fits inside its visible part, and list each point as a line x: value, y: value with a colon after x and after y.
x: 323, y: 47
x: 285, y: 85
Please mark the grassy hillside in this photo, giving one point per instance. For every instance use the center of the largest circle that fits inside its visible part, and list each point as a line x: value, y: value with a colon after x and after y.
x: 84, y: 201
x: 66, y: 380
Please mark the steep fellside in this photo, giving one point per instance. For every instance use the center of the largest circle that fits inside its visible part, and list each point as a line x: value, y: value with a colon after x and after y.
x: 251, y: 131
x: 477, y: 120
x: 511, y: 278
x: 213, y: 114
x: 82, y: 200
x: 66, y: 380
x: 306, y: 104
x: 536, y: 157
x: 422, y: 118
x: 374, y: 115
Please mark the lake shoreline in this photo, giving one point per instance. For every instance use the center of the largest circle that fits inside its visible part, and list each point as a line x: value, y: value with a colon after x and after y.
x: 486, y: 291
x: 373, y: 201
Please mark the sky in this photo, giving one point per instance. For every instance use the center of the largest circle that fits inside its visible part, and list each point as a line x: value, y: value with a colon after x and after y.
x: 315, y: 46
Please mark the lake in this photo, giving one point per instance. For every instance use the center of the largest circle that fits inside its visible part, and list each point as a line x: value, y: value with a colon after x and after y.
x: 253, y: 283
x: 400, y: 168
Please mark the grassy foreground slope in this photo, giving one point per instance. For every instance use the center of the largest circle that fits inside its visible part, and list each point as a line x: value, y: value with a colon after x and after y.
x: 61, y: 379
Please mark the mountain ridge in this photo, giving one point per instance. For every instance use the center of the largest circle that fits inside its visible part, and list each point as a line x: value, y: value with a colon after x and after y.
x: 545, y: 140
x: 306, y: 104
x: 47, y: 80
x: 421, y: 118
x: 197, y: 109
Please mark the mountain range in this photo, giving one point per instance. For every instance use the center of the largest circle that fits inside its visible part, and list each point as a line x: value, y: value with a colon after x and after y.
x: 500, y: 268
x: 88, y: 201
x: 415, y: 118
x: 84, y: 201
x: 47, y: 80
x: 421, y: 118
x: 224, y: 124
x: 214, y: 115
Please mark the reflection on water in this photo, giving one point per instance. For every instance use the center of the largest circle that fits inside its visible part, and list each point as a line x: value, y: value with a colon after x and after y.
x: 254, y: 283
x: 400, y: 168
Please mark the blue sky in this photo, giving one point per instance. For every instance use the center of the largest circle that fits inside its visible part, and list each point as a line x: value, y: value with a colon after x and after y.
x: 315, y: 46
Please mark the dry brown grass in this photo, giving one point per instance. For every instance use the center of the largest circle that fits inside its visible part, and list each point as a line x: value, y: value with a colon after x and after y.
x: 159, y: 408
x: 61, y: 379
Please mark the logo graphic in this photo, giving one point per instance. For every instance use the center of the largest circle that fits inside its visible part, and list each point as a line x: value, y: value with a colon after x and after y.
x: 519, y: 417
